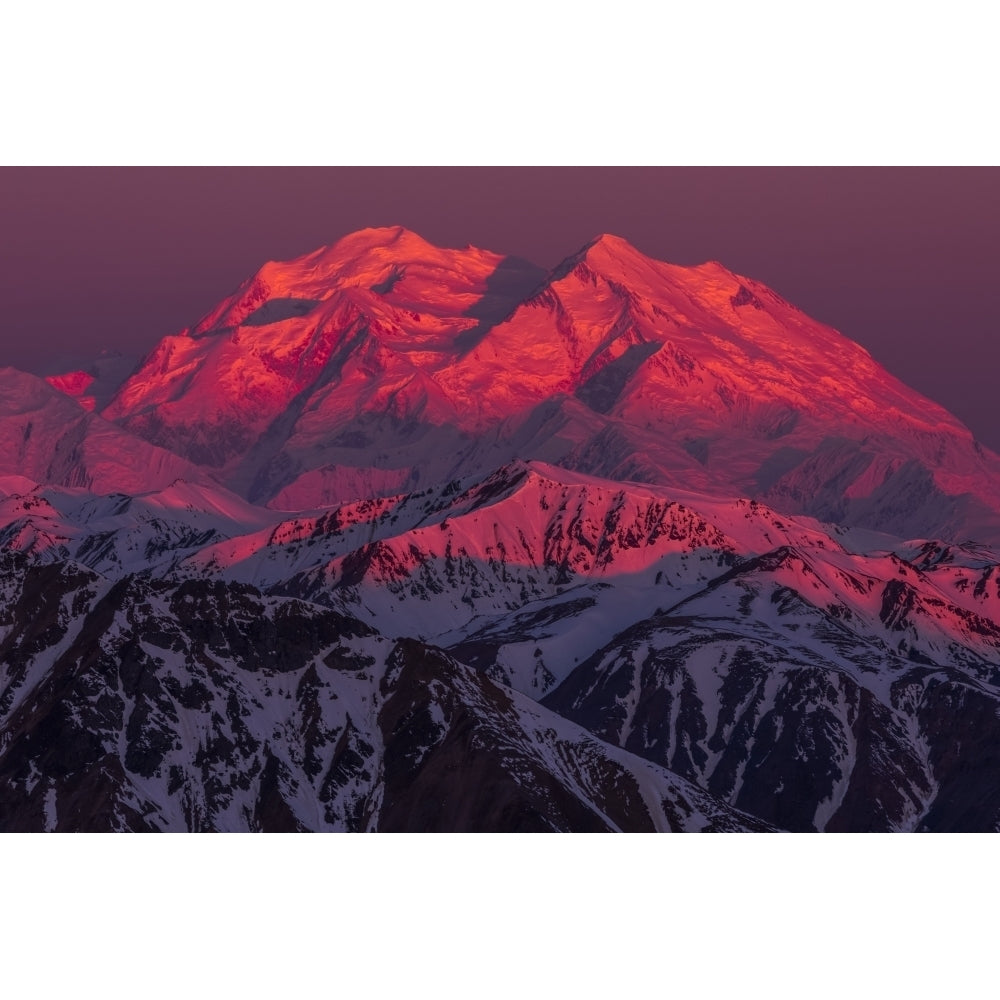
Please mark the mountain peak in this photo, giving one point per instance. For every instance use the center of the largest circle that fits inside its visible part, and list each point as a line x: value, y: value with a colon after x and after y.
x: 616, y: 260
x: 372, y: 259
x: 374, y: 247
x: 612, y: 243
x: 605, y: 246
x: 614, y: 257
x: 399, y: 238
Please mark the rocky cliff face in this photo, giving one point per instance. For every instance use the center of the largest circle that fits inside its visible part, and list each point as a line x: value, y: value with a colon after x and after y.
x: 208, y: 706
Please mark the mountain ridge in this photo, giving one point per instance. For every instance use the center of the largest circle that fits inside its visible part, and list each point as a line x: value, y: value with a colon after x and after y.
x: 686, y: 634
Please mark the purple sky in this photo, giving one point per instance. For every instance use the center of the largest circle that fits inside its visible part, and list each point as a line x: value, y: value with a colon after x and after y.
x: 902, y: 260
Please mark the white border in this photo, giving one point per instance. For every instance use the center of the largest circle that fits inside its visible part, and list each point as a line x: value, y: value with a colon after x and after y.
x: 498, y: 916
x: 540, y: 82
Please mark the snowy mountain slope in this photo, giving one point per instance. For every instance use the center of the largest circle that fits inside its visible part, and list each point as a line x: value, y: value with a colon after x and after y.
x: 746, y: 651
x: 797, y: 721
x: 766, y: 400
x: 817, y: 690
x: 534, y: 542
x: 47, y: 437
x: 471, y: 561
x: 117, y: 533
x: 381, y: 364
x: 313, y: 356
x: 860, y: 659
x: 206, y: 706
x: 453, y: 719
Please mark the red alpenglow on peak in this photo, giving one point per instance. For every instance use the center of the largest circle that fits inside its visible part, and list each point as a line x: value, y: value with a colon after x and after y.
x: 381, y: 361
x: 75, y: 384
x: 393, y: 263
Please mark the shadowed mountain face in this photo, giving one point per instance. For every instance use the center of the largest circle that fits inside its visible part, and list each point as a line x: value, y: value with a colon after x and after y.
x: 304, y: 720
x: 403, y: 538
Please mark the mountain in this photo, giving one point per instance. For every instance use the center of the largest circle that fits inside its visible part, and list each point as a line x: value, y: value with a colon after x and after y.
x: 382, y: 363
x: 47, y: 437
x: 402, y: 538
x: 551, y: 620
x: 325, y: 359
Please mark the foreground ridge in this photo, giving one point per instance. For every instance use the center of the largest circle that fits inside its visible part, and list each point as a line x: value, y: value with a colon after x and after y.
x: 533, y: 650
